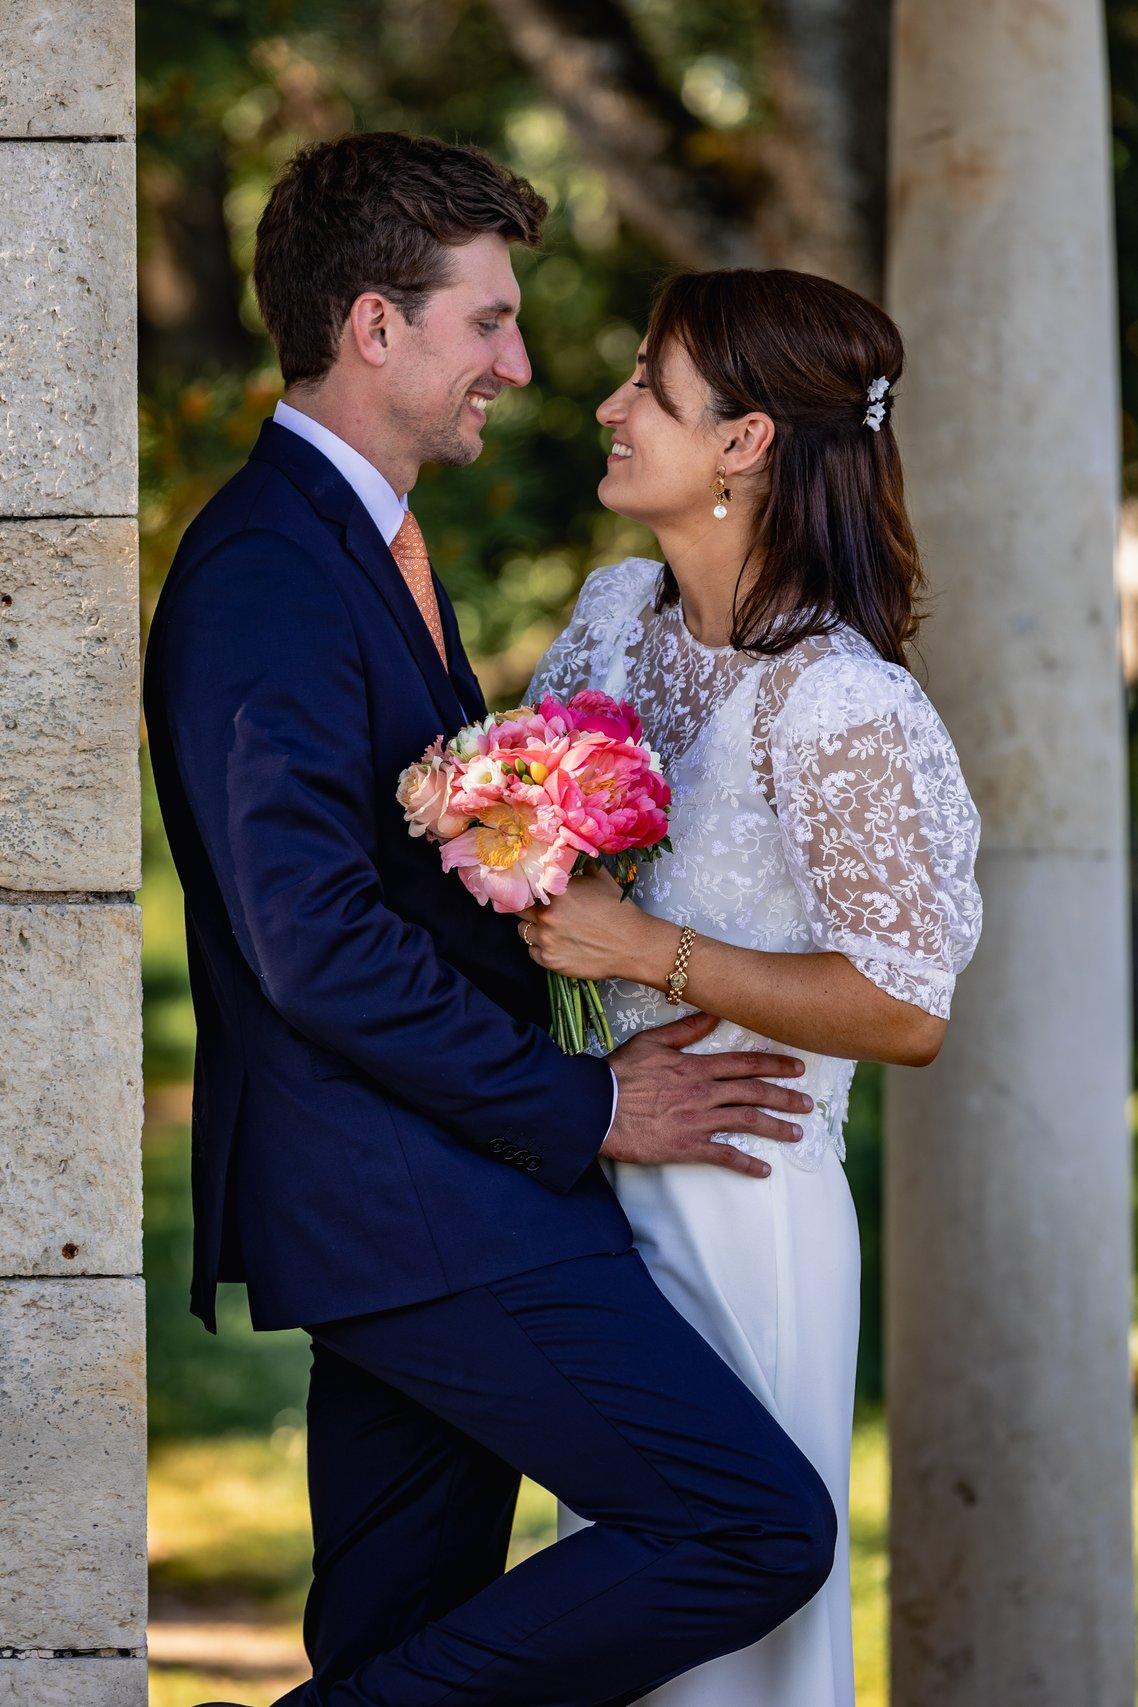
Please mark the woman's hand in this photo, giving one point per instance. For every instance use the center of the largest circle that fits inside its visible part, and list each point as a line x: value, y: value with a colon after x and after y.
x: 586, y: 933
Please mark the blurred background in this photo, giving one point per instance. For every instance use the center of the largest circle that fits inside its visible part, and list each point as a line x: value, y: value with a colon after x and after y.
x: 663, y: 133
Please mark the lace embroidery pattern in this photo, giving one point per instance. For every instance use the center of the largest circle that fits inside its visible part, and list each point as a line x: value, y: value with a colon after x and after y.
x: 817, y: 804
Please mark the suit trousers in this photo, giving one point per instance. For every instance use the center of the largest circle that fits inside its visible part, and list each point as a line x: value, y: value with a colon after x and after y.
x: 708, y: 1526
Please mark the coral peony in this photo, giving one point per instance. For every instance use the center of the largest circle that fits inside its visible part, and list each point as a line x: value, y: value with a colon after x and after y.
x: 510, y: 858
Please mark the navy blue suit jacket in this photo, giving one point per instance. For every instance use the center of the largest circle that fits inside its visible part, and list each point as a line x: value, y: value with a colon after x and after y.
x: 379, y: 1115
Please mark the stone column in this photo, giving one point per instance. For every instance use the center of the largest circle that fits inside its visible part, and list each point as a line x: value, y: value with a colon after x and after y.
x: 72, y: 1344
x: 1008, y: 1182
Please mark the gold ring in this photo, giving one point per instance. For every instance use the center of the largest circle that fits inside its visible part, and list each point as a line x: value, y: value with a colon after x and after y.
x: 525, y: 934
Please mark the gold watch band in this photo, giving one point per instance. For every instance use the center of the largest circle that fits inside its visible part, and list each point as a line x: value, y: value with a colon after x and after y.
x: 677, y: 978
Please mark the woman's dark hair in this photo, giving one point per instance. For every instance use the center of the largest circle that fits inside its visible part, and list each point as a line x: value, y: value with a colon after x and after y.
x: 375, y: 211
x: 831, y: 532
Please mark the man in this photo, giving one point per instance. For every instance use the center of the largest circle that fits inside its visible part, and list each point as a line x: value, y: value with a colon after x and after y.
x: 387, y: 1147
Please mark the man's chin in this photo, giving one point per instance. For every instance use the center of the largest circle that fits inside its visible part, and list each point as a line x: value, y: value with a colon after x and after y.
x: 456, y: 450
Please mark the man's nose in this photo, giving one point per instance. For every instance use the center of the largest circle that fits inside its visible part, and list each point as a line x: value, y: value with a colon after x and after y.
x: 512, y: 363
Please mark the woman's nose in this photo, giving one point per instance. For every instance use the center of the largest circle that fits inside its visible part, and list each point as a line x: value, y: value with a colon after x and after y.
x: 611, y: 410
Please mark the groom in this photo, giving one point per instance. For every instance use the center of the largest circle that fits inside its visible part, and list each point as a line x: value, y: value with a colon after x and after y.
x: 387, y: 1148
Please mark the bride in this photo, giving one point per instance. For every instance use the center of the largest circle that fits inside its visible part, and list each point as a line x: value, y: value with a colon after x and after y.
x: 820, y: 896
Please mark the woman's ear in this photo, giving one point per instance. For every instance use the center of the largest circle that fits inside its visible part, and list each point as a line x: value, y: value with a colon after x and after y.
x: 749, y: 439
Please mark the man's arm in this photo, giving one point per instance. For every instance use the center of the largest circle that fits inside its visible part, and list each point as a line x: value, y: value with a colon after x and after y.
x: 265, y: 697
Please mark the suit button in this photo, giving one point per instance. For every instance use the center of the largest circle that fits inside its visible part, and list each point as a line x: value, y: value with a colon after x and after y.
x: 532, y: 1164
x: 496, y: 1146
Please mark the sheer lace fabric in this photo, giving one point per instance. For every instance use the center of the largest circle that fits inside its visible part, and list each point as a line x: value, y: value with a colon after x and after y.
x: 817, y: 805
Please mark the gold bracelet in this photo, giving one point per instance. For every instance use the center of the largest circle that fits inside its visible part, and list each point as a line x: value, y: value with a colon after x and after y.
x: 678, y: 976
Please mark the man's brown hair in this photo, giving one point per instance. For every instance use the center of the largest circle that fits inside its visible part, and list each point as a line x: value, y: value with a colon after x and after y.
x: 375, y: 211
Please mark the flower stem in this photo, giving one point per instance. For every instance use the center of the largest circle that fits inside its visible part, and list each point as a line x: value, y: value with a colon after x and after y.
x: 557, y: 1011
x: 597, y: 1014
x: 576, y: 1010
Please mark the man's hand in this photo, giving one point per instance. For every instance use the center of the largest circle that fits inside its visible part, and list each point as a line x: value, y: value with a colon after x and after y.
x: 669, y: 1103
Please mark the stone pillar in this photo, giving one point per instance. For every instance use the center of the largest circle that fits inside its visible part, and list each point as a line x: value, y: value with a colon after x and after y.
x: 72, y: 1343
x: 1008, y: 1181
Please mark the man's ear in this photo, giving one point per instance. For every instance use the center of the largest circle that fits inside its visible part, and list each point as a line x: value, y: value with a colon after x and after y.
x: 371, y: 327
x: 746, y: 443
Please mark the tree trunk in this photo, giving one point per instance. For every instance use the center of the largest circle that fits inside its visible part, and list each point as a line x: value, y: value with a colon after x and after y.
x: 189, y: 287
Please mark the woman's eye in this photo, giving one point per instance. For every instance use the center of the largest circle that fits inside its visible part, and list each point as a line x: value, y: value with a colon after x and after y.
x: 640, y: 385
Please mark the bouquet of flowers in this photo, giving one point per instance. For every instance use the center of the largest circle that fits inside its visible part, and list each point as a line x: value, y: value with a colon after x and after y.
x: 524, y: 800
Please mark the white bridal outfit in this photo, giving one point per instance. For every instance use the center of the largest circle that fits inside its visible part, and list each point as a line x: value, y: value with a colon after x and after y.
x: 817, y: 805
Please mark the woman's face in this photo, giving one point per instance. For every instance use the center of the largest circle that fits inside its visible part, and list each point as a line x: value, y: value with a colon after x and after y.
x: 660, y: 467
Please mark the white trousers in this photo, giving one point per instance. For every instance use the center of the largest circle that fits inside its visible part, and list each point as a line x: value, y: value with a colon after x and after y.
x: 769, y: 1272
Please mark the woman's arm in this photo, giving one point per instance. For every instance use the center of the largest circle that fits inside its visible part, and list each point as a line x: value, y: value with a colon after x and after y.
x: 807, y: 1001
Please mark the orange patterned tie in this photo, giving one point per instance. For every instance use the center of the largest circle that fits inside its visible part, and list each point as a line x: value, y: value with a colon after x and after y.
x: 409, y: 550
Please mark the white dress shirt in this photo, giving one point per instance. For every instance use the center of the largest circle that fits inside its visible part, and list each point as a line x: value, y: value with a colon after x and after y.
x: 378, y: 497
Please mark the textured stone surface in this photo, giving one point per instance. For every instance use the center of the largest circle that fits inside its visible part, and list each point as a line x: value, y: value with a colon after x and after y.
x: 67, y: 330
x: 1007, y: 1192
x: 73, y: 1468
x: 69, y: 789
x: 66, y: 69
x: 70, y: 1090
x: 73, y: 1683
x: 1009, y: 1309
x: 1001, y: 277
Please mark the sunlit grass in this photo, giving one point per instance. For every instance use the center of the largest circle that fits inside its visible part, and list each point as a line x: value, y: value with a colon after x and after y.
x: 229, y: 1525
x: 230, y: 1548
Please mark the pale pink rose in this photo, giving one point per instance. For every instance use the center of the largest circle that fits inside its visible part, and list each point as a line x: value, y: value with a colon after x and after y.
x: 424, y: 792
x: 511, y: 858
x: 596, y: 713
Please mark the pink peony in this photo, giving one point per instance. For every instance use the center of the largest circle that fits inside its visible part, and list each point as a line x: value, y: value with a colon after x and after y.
x: 613, y: 799
x: 596, y: 713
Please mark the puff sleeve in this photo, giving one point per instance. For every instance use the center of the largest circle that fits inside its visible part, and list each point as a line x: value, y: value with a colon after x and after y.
x: 878, y: 826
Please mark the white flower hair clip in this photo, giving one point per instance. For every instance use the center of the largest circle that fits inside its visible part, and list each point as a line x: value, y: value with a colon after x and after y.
x: 875, y: 414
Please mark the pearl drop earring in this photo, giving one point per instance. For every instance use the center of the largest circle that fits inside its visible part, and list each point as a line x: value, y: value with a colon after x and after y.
x: 721, y: 492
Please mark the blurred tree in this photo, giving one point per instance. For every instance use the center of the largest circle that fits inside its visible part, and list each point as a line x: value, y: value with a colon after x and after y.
x: 691, y: 190
x: 666, y: 132
x: 804, y: 187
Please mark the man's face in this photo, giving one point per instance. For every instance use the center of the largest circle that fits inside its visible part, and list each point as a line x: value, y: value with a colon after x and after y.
x: 444, y: 371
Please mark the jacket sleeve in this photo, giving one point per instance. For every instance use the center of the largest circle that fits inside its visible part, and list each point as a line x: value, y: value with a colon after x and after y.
x: 264, y: 694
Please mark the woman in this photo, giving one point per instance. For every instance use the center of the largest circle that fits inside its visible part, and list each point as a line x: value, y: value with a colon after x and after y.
x: 824, y: 839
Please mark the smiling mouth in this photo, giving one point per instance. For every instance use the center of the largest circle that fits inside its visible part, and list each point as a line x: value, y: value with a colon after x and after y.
x: 620, y: 452
x: 479, y: 401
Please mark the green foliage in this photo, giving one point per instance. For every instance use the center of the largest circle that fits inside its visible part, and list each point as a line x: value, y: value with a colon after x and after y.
x: 223, y: 101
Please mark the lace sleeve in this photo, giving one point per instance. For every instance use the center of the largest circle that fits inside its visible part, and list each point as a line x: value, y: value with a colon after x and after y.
x: 580, y: 655
x: 879, y: 828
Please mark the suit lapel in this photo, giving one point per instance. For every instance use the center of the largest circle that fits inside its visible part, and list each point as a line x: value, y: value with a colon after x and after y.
x: 462, y: 674
x: 336, y: 499
x: 366, y: 544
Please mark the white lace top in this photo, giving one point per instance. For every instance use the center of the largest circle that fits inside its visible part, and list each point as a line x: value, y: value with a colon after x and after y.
x: 817, y: 805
